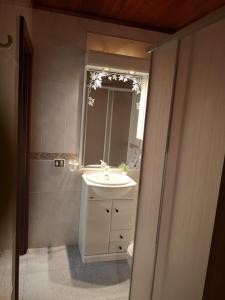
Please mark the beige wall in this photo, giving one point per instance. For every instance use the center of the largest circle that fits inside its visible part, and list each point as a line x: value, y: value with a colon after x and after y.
x: 9, y: 12
x: 59, y: 48
x: 59, y: 55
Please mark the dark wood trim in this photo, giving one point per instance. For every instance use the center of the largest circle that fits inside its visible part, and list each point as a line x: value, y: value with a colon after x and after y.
x: 215, y: 277
x: 24, y: 95
x: 102, y: 19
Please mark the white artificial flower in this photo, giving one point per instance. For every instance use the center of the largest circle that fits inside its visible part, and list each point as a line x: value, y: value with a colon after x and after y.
x: 91, y: 101
x: 98, y: 83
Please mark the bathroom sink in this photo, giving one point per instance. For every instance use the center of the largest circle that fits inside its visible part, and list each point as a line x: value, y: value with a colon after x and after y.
x: 111, y: 179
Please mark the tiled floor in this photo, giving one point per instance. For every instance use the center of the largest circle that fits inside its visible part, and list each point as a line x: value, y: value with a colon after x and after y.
x: 58, y: 273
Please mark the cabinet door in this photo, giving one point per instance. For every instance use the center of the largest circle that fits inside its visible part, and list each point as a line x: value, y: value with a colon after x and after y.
x: 122, y: 214
x: 98, y: 227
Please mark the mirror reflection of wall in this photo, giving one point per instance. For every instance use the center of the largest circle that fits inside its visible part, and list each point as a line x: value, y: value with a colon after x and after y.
x: 114, y: 111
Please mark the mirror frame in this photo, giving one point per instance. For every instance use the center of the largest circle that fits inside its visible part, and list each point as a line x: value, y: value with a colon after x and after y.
x: 87, y: 68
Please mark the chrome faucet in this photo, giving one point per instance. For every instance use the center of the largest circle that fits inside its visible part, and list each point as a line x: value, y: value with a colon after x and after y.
x: 105, y: 166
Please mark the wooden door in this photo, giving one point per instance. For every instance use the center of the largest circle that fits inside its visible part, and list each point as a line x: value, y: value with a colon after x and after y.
x: 25, y: 72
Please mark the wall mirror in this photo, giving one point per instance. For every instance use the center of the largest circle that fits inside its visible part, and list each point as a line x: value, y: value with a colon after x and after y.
x: 113, y: 116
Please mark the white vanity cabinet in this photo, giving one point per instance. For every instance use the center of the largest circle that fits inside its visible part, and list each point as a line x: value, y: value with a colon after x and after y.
x: 106, y: 220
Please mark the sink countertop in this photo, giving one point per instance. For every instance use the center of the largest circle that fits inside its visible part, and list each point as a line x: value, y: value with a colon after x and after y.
x: 129, y: 184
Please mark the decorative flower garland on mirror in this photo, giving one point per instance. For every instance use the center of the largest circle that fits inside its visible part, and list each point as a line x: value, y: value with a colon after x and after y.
x: 96, y: 82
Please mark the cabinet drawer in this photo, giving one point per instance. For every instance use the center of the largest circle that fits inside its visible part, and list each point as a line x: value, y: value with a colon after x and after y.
x: 120, y: 236
x: 122, y: 211
x: 118, y: 247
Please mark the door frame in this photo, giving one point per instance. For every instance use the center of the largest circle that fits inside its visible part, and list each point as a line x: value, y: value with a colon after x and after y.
x: 22, y: 207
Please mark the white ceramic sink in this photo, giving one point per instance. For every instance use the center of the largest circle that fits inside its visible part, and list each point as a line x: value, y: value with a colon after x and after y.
x: 111, y: 179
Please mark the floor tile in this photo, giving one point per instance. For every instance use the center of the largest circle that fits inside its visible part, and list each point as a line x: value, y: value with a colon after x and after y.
x: 58, y: 273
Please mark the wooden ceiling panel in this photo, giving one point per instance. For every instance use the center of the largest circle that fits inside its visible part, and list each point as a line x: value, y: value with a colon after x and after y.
x: 161, y: 15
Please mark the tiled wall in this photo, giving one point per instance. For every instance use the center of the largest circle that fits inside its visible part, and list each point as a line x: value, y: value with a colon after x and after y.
x: 54, y: 204
x: 58, y: 69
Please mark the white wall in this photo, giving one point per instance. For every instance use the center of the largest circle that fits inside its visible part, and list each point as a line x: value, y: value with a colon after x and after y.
x: 59, y: 52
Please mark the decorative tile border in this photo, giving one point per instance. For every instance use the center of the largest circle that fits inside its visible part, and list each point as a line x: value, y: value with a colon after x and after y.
x: 52, y: 156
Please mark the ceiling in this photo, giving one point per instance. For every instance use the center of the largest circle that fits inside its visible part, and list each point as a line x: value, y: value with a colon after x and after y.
x: 161, y: 15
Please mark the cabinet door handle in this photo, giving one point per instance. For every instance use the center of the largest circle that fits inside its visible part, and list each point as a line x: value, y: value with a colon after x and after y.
x: 121, y: 237
x: 107, y: 210
x: 117, y: 210
x: 120, y: 247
